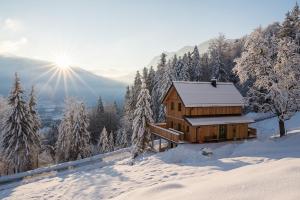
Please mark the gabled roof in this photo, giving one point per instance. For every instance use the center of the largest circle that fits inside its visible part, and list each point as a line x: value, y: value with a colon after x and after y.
x: 203, y: 94
x: 200, y: 121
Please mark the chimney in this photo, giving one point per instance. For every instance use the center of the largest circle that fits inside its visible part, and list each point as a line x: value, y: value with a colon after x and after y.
x: 214, y: 82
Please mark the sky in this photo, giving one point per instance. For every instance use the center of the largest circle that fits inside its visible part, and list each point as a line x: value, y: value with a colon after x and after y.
x: 116, y: 37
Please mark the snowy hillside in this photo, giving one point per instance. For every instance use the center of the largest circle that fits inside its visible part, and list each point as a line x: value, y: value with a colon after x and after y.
x: 265, y: 168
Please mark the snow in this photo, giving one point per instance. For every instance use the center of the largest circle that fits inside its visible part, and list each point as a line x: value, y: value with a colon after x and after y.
x: 198, y: 121
x: 199, y: 94
x: 264, y: 168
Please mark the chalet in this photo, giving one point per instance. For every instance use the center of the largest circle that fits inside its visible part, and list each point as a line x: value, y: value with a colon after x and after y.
x: 198, y: 112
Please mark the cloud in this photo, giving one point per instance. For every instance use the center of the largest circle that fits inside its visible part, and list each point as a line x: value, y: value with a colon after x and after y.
x: 12, y: 24
x: 9, y: 46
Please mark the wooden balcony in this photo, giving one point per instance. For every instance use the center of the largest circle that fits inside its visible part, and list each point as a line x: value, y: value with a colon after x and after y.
x: 160, y: 130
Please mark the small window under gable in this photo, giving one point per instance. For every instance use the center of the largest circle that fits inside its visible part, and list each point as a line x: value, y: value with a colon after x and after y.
x: 172, y: 105
x: 179, y: 106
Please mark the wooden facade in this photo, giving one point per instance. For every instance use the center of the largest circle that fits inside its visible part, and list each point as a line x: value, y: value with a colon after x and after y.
x: 176, y: 112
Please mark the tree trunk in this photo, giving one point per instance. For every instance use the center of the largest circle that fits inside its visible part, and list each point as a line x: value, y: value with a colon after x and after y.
x: 281, y: 128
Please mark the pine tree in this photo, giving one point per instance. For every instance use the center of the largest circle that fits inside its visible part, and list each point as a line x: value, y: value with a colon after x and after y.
x: 65, y: 128
x: 100, y: 107
x: 157, y: 91
x: 123, y: 140
x: 150, y: 79
x: 111, y: 142
x: 33, y: 112
x: 142, y: 116
x: 103, y: 143
x: 80, y: 146
x: 217, y: 51
x: 196, y: 71
x: 19, y: 143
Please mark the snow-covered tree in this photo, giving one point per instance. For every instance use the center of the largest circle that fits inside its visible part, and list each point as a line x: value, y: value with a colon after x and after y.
x: 103, y: 143
x: 150, y: 79
x: 181, y: 69
x: 195, y: 68
x: 63, y: 143
x: 19, y: 143
x: 73, y: 137
x: 111, y: 142
x: 80, y: 146
x: 4, y: 108
x: 36, y: 122
x: 142, y: 116
x: 218, y: 50
x: 274, y: 67
x: 100, y: 107
x: 122, y: 138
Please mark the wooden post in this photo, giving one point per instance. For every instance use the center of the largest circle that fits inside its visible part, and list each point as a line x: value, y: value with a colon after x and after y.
x: 159, y: 148
x: 152, y: 141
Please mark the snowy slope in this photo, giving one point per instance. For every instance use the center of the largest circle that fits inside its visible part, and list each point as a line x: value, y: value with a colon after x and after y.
x: 266, y: 168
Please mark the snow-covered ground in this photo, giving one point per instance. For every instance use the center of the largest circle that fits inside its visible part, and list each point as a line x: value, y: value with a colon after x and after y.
x: 265, y: 168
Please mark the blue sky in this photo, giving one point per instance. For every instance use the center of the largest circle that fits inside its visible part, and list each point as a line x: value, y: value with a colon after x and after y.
x: 113, y: 38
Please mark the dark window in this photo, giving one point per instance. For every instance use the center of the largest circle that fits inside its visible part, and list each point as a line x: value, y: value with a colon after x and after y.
x: 179, y: 106
x: 187, y: 129
x: 172, y: 105
x: 234, y: 131
x: 179, y: 127
x: 171, y: 124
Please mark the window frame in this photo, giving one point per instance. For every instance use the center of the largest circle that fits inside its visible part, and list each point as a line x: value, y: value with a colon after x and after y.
x: 179, y: 106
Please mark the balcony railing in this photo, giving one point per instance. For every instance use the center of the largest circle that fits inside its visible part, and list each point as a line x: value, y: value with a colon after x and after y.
x: 161, y: 131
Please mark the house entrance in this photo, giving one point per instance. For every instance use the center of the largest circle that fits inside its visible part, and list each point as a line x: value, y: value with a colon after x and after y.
x: 222, y: 132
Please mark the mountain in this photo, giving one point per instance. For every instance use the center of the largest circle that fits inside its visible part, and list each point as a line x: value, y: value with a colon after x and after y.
x: 202, y: 47
x: 54, y: 84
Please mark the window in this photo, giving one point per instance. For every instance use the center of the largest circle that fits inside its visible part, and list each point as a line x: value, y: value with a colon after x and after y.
x: 172, y: 105
x: 179, y: 106
x: 179, y: 127
x: 234, y: 132
x: 187, y: 129
x: 171, y: 124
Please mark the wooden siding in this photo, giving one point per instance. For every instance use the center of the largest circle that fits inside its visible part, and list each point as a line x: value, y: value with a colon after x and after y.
x: 175, y: 120
x: 211, y: 133
x: 174, y: 98
x: 213, y: 111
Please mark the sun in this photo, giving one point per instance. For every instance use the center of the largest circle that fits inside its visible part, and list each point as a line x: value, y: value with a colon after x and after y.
x: 63, y: 61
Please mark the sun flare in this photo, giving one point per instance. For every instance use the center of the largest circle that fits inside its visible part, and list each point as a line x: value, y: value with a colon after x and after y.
x: 63, y: 61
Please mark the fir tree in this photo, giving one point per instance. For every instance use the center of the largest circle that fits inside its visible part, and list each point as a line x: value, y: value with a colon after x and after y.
x: 150, y: 79
x: 33, y: 112
x: 111, y: 142
x: 103, y: 143
x: 196, y: 71
x: 80, y: 146
x: 20, y: 143
x: 65, y: 128
x: 142, y: 116
x: 100, y: 107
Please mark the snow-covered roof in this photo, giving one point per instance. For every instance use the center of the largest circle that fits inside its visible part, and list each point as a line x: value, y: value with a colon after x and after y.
x: 198, y: 121
x: 203, y: 94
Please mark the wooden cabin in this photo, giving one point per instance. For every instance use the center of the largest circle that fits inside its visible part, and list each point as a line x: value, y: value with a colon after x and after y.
x: 199, y: 112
